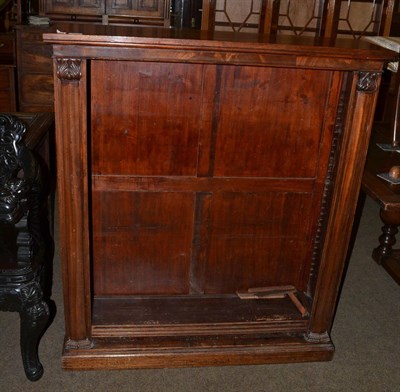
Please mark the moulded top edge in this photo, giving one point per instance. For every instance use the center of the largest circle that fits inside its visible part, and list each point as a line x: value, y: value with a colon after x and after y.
x: 116, y: 36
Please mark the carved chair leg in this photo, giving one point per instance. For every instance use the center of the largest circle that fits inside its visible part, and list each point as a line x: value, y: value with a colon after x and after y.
x: 34, y: 316
x: 391, y: 220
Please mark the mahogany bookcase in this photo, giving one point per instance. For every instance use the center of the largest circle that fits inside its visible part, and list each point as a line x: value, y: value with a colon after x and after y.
x: 207, y: 185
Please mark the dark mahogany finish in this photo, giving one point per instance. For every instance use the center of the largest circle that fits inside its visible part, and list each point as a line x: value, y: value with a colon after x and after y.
x: 195, y: 166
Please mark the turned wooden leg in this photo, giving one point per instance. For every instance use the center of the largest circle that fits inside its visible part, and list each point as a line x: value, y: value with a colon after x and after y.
x: 34, y: 317
x: 391, y: 220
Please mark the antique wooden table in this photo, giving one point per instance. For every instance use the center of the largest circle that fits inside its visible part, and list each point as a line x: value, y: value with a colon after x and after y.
x: 386, y: 192
x: 207, y: 188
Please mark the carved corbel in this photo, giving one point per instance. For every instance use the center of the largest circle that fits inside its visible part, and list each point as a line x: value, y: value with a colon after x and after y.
x: 69, y: 70
x: 368, y: 82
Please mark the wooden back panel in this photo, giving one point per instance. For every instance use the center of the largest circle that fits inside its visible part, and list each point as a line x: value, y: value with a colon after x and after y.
x: 206, y: 178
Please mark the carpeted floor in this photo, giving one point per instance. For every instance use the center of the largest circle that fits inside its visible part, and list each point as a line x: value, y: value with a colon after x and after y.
x: 366, y: 335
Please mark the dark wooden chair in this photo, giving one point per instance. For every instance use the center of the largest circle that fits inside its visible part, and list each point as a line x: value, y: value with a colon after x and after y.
x: 24, y: 236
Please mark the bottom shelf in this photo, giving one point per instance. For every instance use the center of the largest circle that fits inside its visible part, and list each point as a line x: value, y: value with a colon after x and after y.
x: 195, y: 351
x: 194, y: 315
x: 158, y: 332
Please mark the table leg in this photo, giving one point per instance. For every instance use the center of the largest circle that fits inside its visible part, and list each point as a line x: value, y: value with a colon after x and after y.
x: 384, y: 254
x: 391, y: 220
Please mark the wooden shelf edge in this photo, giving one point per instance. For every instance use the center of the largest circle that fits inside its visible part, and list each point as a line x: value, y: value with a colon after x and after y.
x: 110, y: 331
x: 113, y: 356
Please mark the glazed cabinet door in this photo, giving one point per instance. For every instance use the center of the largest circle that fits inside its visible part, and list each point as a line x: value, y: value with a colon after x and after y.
x: 137, y: 8
x: 75, y: 7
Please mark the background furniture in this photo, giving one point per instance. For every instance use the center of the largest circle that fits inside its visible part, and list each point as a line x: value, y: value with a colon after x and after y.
x: 35, y: 76
x: 8, y: 99
x: 388, y: 196
x: 8, y: 96
x: 147, y: 12
x: 24, y: 249
x: 35, y: 73
x: 381, y: 179
x: 216, y: 233
x: 328, y: 18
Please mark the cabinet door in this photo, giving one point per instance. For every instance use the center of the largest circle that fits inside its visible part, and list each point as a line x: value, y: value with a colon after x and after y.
x: 139, y: 8
x: 79, y: 7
